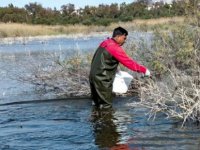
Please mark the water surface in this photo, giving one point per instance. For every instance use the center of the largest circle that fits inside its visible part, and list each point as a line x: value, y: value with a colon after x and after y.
x: 74, y: 124
x: 32, y: 119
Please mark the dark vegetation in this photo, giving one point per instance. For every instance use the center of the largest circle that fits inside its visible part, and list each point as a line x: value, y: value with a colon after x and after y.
x: 35, y: 13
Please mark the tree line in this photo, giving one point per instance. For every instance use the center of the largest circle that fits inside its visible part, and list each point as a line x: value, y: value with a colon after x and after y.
x: 34, y: 13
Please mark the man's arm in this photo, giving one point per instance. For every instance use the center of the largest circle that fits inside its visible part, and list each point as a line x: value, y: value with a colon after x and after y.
x: 123, y: 58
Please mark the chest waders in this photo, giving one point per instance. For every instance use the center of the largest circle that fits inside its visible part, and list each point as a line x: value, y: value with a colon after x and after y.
x: 102, y: 73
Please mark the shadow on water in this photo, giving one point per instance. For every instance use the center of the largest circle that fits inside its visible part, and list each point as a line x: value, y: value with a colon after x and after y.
x: 105, y: 132
x: 67, y: 124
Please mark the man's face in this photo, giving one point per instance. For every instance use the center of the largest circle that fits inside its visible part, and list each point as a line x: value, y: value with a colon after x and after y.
x: 120, y: 39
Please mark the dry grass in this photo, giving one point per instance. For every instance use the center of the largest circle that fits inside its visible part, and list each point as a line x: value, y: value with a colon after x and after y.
x: 17, y: 30
x: 25, y: 30
x: 159, y: 21
x: 149, y: 24
x: 178, y: 98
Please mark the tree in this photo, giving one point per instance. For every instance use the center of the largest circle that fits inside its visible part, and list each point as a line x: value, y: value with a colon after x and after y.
x: 67, y: 9
x: 13, y: 14
x: 34, y: 11
x: 114, y: 10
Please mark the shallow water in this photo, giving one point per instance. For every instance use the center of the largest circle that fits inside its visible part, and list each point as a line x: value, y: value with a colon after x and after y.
x: 19, y: 56
x: 31, y: 119
x: 67, y: 124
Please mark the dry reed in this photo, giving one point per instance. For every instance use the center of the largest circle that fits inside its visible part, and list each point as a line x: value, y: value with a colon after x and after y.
x: 26, y: 30
x: 177, y: 98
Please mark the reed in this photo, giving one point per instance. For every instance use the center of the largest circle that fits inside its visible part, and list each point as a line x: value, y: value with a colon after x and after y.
x: 21, y: 30
x: 149, y: 24
x: 26, y: 30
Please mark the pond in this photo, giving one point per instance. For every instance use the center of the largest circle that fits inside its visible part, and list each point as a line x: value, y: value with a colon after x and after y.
x: 65, y: 124
x: 34, y: 120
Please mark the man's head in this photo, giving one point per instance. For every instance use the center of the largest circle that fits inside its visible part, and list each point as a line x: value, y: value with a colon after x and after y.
x: 119, y: 35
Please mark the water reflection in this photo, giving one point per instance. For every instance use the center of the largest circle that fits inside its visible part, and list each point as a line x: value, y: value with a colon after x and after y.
x: 105, y: 131
x: 110, y: 129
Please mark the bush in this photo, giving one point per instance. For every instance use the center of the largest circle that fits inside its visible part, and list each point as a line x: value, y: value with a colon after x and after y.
x: 87, y: 22
x: 175, y: 55
x: 103, y: 22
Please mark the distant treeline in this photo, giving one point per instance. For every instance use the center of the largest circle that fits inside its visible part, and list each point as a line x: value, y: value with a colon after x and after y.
x: 34, y: 13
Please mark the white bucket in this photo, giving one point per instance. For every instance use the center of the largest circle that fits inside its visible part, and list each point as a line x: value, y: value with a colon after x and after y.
x: 121, y: 82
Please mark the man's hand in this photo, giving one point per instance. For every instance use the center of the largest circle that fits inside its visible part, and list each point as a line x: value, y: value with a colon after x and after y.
x: 147, y: 73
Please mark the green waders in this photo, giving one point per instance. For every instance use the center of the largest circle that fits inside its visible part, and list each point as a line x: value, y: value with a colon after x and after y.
x: 102, y: 73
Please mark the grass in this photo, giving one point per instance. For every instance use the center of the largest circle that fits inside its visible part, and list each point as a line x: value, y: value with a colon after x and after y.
x: 150, y: 24
x: 25, y: 30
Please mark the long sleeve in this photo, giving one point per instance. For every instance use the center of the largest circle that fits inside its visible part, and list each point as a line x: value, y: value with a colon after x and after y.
x: 116, y: 51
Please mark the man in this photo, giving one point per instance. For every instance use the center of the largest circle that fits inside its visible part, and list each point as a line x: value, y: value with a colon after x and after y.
x: 104, y: 66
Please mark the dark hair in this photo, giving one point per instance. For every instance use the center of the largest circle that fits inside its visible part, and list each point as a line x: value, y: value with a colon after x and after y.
x: 119, y: 31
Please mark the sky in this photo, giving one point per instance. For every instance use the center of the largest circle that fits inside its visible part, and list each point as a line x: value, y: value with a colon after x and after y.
x: 59, y: 3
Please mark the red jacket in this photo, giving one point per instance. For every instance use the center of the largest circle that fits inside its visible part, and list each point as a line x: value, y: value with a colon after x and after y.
x: 117, y: 51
